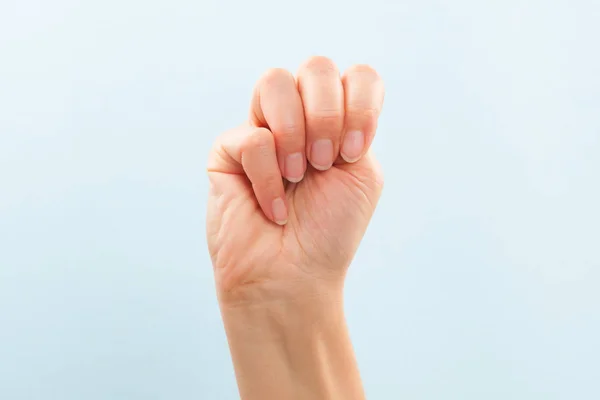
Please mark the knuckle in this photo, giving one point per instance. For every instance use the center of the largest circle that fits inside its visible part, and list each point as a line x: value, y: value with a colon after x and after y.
x: 363, y: 71
x: 362, y: 112
x: 271, y: 181
x: 268, y: 182
x: 288, y: 130
x: 276, y: 76
x: 326, y: 119
x: 320, y: 65
x: 260, y: 139
x: 325, y: 113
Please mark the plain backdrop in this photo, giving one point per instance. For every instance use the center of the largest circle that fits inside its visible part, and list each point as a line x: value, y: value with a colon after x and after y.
x: 478, y: 278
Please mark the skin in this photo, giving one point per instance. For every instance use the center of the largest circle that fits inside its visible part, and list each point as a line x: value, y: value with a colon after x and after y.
x: 292, y: 191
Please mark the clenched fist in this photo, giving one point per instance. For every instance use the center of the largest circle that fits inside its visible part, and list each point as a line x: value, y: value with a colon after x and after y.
x: 293, y: 188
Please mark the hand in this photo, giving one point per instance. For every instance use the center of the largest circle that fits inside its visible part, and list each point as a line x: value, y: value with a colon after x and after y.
x: 292, y: 192
x: 279, y: 225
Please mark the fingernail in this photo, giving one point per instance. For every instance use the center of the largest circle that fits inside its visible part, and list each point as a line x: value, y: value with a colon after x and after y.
x: 321, y: 155
x: 294, y: 167
x: 280, y: 214
x: 353, y: 145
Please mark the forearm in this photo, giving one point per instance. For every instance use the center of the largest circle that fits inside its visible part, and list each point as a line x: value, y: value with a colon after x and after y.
x: 293, y: 350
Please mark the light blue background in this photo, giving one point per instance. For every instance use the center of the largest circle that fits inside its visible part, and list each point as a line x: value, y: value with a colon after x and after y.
x: 478, y: 279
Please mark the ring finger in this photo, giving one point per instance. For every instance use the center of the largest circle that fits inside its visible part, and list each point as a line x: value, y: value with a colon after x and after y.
x: 322, y: 94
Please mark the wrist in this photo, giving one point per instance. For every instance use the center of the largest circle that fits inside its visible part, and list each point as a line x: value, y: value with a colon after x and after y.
x: 292, y: 288
x: 285, y: 322
x: 307, y: 314
x: 292, y: 347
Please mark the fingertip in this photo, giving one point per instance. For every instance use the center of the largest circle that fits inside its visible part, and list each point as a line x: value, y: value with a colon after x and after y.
x: 294, y: 167
x: 321, y: 154
x: 295, y: 180
x: 280, y: 212
x: 353, y: 146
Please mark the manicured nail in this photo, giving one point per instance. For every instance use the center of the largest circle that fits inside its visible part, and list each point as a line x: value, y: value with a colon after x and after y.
x: 353, y: 145
x: 280, y: 214
x: 321, y: 155
x: 294, y: 167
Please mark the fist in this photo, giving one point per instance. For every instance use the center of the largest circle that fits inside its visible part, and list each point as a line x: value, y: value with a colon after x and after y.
x: 293, y: 189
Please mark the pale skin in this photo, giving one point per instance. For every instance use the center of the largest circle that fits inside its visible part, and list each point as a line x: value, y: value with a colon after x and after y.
x: 292, y: 191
